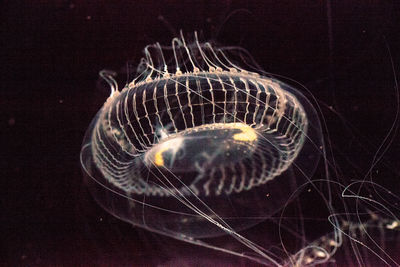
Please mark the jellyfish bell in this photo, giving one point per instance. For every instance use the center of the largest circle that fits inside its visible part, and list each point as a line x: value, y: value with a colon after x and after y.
x: 198, y: 147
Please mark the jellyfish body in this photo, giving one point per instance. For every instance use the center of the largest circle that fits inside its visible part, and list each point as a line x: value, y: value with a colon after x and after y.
x: 195, y: 146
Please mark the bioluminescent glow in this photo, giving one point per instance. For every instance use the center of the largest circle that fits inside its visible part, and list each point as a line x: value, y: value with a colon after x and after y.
x: 196, y: 146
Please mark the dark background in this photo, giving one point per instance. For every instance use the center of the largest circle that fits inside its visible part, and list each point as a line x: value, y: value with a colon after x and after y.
x: 51, y: 53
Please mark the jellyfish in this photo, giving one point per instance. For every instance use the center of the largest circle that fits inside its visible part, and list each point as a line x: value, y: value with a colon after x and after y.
x: 203, y: 144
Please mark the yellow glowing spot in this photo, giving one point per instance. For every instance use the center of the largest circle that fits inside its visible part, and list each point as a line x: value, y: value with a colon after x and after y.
x: 173, y: 144
x: 248, y: 134
x: 158, y: 159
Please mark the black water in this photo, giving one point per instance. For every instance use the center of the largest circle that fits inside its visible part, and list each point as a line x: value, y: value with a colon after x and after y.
x: 51, y: 53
